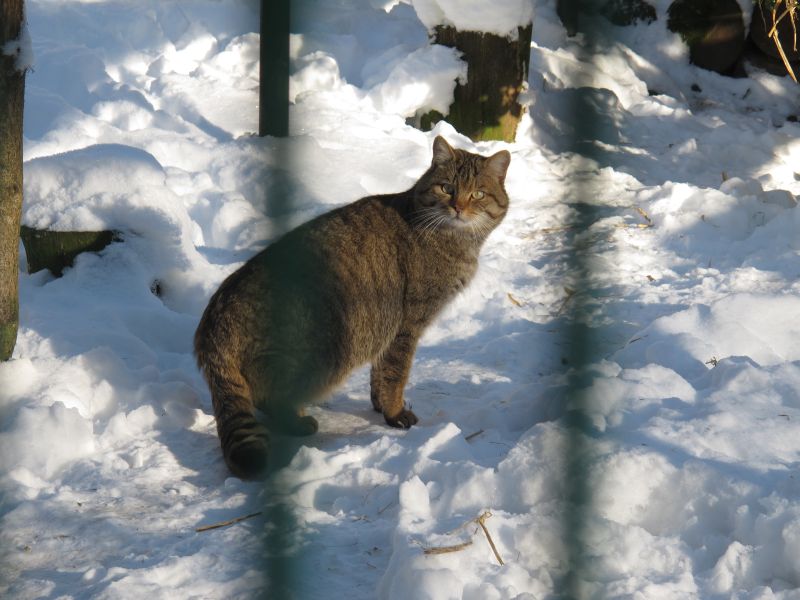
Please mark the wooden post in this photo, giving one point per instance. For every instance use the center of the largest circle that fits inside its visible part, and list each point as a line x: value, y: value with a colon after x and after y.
x: 486, y: 106
x: 12, y: 93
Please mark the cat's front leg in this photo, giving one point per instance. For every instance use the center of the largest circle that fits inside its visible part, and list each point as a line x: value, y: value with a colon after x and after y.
x: 388, y: 380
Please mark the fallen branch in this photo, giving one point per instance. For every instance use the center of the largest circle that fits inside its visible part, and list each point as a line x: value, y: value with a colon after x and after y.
x: 226, y: 523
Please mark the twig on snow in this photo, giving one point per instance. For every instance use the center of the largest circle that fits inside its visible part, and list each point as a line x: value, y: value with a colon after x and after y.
x: 480, y: 521
x: 446, y: 549
x: 473, y: 435
x: 226, y: 523
x: 514, y: 301
x: 569, y: 294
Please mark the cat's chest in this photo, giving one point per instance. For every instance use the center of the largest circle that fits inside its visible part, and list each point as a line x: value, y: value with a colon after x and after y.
x: 437, y: 280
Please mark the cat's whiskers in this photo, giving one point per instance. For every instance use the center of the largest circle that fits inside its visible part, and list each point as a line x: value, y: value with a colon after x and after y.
x: 422, y: 220
x: 481, y: 227
x: 434, y: 225
x: 426, y: 221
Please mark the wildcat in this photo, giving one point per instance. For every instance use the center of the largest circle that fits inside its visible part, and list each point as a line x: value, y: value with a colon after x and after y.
x: 355, y: 285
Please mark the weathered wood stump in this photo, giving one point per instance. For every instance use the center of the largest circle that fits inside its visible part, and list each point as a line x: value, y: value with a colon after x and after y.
x: 713, y: 30
x: 486, y: 106
x: 56, y: 250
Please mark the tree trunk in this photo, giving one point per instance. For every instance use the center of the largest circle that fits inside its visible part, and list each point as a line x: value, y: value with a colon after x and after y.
x: 486, y: 107
x: 273, y: 109
x: 12, y: 88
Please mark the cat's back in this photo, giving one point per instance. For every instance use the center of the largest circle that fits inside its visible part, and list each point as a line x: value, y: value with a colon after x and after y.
x: 364, y: 221
x: 367, y: 240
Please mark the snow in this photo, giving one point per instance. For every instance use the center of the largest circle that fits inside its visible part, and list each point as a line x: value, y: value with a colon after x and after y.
x: 678, y: 194
x: 22, y: 49
x: 500, y: 18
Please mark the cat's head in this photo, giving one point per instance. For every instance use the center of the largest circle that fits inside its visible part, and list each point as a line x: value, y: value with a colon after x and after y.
x: 462, y: 190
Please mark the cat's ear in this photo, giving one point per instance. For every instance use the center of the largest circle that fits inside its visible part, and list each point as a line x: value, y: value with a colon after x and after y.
x: 442, y: 152
x: 497, y: 165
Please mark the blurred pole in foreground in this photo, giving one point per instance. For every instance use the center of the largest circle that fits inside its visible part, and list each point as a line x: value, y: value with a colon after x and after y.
x: 281, y: 569
x: 581, y: 343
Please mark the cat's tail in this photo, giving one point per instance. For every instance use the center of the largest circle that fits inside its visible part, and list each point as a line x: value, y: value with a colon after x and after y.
x: 244, y: 440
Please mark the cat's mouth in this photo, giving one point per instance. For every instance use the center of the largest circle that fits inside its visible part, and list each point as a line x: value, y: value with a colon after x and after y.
x: 460, y: 219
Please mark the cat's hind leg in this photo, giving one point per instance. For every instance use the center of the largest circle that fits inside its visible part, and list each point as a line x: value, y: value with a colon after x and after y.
x: 282, y: 391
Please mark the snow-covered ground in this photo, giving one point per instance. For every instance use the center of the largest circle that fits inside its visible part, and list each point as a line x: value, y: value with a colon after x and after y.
x: 660, y: 232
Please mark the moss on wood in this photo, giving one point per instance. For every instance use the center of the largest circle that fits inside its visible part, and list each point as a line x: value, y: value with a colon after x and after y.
x: 486, y: 107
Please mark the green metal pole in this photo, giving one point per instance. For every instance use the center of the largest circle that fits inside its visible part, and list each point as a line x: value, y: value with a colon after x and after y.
x: 281, y: 569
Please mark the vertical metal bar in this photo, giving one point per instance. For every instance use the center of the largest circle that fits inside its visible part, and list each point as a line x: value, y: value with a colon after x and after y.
x: 273, y: 110
x: 580, y: 341
x: 281, y: 569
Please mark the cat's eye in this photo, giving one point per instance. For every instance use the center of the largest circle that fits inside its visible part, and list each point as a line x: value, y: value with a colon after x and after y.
x: 478, y: 195
x: 446, y: 189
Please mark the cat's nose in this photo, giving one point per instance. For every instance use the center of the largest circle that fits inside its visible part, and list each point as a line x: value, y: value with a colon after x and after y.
x: 457, y: 205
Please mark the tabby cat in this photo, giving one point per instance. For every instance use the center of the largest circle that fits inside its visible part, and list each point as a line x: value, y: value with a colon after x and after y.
x: 355, y: 285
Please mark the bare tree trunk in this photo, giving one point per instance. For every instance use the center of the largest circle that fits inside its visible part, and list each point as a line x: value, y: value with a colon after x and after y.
x: 486, y: 107
x: 12, y: 91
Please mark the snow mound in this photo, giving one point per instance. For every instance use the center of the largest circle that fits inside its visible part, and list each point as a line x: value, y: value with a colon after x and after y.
x: 762, y: 328
x: 104, y: 186
x: 423, y: 81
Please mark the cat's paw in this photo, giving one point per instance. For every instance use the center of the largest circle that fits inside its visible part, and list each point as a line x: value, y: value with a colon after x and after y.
x: 404, y: 420
x: 306, y: 425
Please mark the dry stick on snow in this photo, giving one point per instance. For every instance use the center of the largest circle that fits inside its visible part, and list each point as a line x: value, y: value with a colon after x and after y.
x: 480, y: 521
x: 514, y: 300
x: 381, y: 511
x: 570, y: 293
x: 226, y: 523
x: 446, y: 549
x: 645, y: 216
x: 456, y: 547
x: 472, y: 435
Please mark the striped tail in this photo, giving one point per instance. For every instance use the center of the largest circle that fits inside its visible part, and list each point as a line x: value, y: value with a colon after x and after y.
x: 244, y: 441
